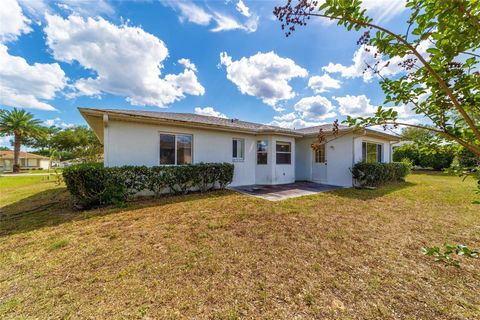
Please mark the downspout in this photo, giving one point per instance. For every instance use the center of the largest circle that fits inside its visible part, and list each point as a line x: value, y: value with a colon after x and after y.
x: 105, y: 139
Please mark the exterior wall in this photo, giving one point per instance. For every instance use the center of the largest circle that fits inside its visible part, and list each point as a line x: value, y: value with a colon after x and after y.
x: 44, y: 163
x: 303, y: 159
x: 387, y: 149
x: 131, y: 143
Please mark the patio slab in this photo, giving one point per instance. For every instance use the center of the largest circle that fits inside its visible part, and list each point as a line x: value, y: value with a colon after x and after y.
x: 284, y: 191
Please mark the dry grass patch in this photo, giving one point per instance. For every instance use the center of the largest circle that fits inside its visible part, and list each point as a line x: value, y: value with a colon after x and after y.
x: 348, y: 254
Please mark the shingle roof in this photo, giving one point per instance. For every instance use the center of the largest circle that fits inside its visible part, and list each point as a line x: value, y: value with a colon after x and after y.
x: 200, y: 119
x: 315, y: 129
x: 8, y: 154
x: 221, y: 122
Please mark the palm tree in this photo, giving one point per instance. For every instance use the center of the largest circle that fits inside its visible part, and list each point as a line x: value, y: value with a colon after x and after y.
x: 21, y: 125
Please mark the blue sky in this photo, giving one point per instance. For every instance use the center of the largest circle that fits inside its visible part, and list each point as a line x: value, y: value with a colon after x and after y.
x: 224, y: 58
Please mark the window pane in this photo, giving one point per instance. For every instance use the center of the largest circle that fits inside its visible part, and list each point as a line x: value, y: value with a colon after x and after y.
x: 262, y: 158
x: 184, y: 149
x: 167, y: 149
x: 262, y: 145
x: 241, y: 147
x: 372, y: 152
x: 283, y: 147
x: 284, y: 158
x: 364, y: 151
x: 379, y: 152
x: 234, y: 148
x: 320, y: 154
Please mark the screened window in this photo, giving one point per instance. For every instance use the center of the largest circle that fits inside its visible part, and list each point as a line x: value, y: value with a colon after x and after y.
x: 262, y: 153
x: 284, y: 152
x: 372, y: 152
x: 320, y: 154
x: 238, y: 147
x: 175, y: 149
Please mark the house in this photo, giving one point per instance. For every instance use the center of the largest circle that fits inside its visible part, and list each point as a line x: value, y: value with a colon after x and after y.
x: 27, y: 161
x: 262, y: 154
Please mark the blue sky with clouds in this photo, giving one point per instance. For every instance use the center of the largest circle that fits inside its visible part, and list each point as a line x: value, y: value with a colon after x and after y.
x: 224, y: 58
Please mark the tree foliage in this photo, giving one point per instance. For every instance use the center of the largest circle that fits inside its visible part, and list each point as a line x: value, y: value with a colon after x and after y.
x: 442, y: 84
x: 22, y: 125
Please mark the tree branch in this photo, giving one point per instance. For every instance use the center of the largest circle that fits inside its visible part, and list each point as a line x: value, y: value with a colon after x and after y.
x: 429, y: 68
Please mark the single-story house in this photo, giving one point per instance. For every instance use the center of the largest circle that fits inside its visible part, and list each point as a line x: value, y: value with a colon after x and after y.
x: 27, y: 161
x: 262, y: 154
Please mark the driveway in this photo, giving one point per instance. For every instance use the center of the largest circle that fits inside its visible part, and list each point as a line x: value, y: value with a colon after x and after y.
x: 284, y: 191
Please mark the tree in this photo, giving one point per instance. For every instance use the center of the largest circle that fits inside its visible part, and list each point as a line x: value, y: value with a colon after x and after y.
x: 442, y: 84
x: 21, y: 125
x: 77, y: 142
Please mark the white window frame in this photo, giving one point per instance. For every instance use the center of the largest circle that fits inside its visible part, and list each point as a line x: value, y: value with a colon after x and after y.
x: 258, y: 152
x: 238, y: 158
x: 283, y: 152
x: 382, y: 152
x: 173, y: 134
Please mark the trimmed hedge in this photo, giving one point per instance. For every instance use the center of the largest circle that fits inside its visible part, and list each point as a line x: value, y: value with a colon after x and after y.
x: 374, y: 174
x: 95, y: 185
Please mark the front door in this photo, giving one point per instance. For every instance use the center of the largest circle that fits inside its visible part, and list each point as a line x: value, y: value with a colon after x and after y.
x: 319, y: 165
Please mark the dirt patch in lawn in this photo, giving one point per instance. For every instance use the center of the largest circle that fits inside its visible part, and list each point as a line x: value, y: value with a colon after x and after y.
x: 348, y: 254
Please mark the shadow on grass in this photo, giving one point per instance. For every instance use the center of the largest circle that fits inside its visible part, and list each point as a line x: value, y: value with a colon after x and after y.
x: 54, y: 207
x: 367, y: 194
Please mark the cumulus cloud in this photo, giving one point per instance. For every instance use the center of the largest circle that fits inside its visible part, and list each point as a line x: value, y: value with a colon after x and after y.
x: 28, y: 85
x: 12, y: 21
x: 309, y: 111
x: 323, y: 83
x: 204, y: 16
x: 383, y: 10
x: 263, y: 75
x: 127, y: 61
x: 5, y: 141
x: 367, y: 55
x: 355, y: 106
x: 315, y: 108
x: 209, y: 111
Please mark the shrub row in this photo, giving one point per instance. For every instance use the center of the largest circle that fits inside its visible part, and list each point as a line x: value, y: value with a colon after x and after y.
x: 94, y: 185
x: 437, y: 158
x: 374, y: 174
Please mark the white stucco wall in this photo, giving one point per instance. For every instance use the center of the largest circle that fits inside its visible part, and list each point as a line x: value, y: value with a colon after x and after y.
x: 131, y: 143
x: 385, y: 146
x: 44, y: 163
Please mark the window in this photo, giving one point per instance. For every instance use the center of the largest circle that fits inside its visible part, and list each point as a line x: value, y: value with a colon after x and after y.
x: 320, y: 154
x: 284, y: 152
x: 372, y: 152
x: 238, y: 147
x: 175, y: 149
x: 262, y: 154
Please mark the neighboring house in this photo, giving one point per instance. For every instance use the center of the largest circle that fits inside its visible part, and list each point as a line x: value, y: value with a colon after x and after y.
x: 262, y: 154
x: 27, y: 161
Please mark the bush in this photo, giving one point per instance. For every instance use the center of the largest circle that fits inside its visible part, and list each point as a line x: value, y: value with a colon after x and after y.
x: 95, y: 185
x: 375, y: 174
x: 437, y: 158
x: 467, y: 159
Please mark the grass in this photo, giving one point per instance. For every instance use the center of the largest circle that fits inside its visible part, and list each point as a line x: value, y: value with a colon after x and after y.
x: 347, y: 254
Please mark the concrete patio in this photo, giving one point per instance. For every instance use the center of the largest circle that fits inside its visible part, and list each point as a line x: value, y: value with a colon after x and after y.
x: 284, y: 191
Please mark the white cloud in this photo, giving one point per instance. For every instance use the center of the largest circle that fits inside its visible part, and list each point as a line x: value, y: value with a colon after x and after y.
x: 209, y: 111
x: 367, y: 55
x: 323, y: 83
x: 12, y: 21
x: 127, y: 61
x: 263, y: 75
x: 5, y: 141
x: 309, y: 111
x: 355, y: 106
x: 188, y: 64
x: 57, y: 122
x: 193, y: 13
x: 25, y: 85
x: 315, y: 108
x: 243, y: 9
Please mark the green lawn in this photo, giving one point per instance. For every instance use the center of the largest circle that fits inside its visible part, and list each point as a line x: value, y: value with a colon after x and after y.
x: 347, y: 254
